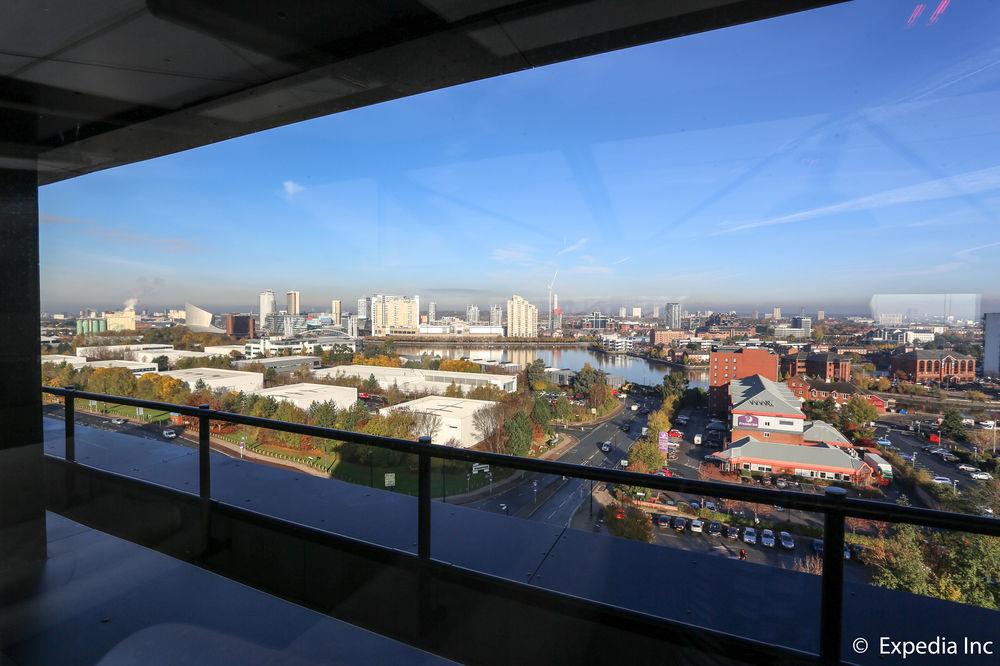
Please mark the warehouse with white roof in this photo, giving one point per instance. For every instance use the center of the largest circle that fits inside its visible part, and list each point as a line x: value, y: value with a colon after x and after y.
x: 456, y: 414
x: 305, y: 394
x: 416, y: 380
x: 216, y: 378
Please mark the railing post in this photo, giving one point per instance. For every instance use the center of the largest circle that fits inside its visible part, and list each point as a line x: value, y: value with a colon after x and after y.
x: 424, y: 503
x: 832, y: 604
x: 204, y: 461
x: 69, y: 412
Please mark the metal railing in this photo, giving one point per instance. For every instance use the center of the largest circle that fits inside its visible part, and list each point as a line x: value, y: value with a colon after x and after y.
x: 834, y: 504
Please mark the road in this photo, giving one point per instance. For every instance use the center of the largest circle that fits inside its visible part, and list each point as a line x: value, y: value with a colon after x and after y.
x: 553, y: 499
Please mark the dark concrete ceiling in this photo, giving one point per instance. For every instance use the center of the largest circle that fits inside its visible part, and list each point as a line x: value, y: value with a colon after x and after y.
x: 89, y: 85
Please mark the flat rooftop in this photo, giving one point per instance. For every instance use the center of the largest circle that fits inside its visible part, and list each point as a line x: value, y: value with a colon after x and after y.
x: 442, y: 406
x: 279, y: 360
x: 132, y: 365
x: 194, y: 374
x: 315, y: 392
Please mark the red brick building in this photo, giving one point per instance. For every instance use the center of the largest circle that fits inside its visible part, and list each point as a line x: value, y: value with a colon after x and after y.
x: 810, y: 388
x: 935, y: 365
x: 828, y: 367
x: 665, y: 337
x: 728, y: 363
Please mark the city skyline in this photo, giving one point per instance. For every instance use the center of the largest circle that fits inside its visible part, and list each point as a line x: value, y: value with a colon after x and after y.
x: 474, y: 193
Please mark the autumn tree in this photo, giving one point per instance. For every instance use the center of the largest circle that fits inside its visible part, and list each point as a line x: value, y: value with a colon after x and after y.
x: 459, y: 365
x: 820, y: 410
x: 453, y: 390
x: 856, y: 415
x: 489, y: 423
x: 633, y: 523
x: 536, y: 373
x: 426, y: 424
x: 645, y: 456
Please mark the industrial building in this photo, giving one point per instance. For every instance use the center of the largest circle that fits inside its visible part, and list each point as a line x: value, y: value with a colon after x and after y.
x: 120, y: 321
x: 281, y: 364
x: 172, y: 355
x: 89, y: 325
x: 73, y: 361
x: 137, y: 368
x: 216, y: 379
x: 224, y: 350
x: 310, y: 345
x: 457, y: 415
x: 415, y: 380
x: 109, y: 351
x: 304, y: 395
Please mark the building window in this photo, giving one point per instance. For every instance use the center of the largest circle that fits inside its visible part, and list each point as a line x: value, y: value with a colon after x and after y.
x: 767, y: 434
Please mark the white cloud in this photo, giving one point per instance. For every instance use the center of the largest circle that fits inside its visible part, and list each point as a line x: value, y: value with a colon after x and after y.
x: 514, y: 253
x: 573, y: 248
x: 971, y: 182
x: 291, y: 188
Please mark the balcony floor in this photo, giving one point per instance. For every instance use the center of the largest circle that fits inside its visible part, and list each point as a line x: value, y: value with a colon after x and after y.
x: 101, y: 600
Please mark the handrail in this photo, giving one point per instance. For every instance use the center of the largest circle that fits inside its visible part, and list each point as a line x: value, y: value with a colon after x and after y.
x: 857, y: 508
x: 834, y: 505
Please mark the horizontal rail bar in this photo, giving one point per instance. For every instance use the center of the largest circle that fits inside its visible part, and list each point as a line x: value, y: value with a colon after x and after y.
x: 855, y: 508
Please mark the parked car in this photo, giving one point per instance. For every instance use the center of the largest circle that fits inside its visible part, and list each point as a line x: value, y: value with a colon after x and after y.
x: 680, y: 524
x: 968, y: 469
x: 710, y: 506
x: 883, y: 441
x: 780, y: 482
x: 767, y: 538
x: 695, y: 505
x: 697, y: 525
x: 943, y: 480
x: 119, y: 421
x: 663, y: 521
x: 949, y: 457
x: 981, y: 476
x: 817, y: 546
x: 606, y: 446
x: 714, y: 528
x: 749, y: 535
x: 732, y: 533
x: 169, y: 434
x: 787, y: 542
x: 675, y: 434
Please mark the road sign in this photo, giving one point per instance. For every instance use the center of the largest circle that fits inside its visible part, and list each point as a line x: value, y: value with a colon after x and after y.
x: 624, y: 463
x: 139, y: 411
x: 390, y: 479
x: 476, y: 468
x: 663, y: 440
x: 93, y: 403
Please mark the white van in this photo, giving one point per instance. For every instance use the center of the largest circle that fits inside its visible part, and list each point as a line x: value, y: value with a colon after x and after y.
x: 697, y: 439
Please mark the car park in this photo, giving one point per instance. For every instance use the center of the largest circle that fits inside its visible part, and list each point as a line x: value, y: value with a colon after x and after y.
x: 787, y: 542
x: 767, y: 538
x: 697, y: 525
x: 714, y: 528
x: 749, y: 535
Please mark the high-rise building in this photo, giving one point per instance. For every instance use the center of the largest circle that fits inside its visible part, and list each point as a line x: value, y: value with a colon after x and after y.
x: 292, y: 302
x: 395, y: 314
x: 121, y: 321
x: 621, y: 312
x: 991, y: 344
x: 432, y: 312
x: 673, y: 316
x: 637, y: 312
x: 352, y: 325
x: 656, y: 312
x: 805, y: 323
x: 266, y: 305
x: 820, y: 315
x: 756, y: 315
x: 522, y: 318
x: 364, y: 307
x: 776, y: 312
x: 496, y: 315
x: 335, y: 308
x: 472, y: 314
x: 240, y: 325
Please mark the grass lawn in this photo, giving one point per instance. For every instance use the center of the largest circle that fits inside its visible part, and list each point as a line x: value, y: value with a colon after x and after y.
x: 453, y: 482
x: 125, y: 411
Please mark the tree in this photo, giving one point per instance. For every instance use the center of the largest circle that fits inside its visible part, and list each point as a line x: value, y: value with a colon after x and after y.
x: 541, y: 413
x: 976, y: 396
x: 459, y: 365
x: 820, y: 410
x: 370, y: 385
x: 898, y: 562
x: 674, y: 384
x: 323, y: 414
x: 633, y: 523
x: 951, y: 424
x: 694, y: 397
x: 586, y: 378
x: 855, y: 417
x: 453, y: 390
x: 426, y: 424
x: 645, y: 456
x: 162, y: 363
x: 536, y: 372
x: 518, y: 431
x: 563, y: 409
x: 658, y: 421
x: 489, y: 423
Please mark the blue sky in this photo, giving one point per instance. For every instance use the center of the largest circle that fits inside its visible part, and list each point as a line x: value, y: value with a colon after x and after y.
x: 810, y: 160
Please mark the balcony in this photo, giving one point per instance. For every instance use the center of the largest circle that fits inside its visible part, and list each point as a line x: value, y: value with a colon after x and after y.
x: 470, y: 585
